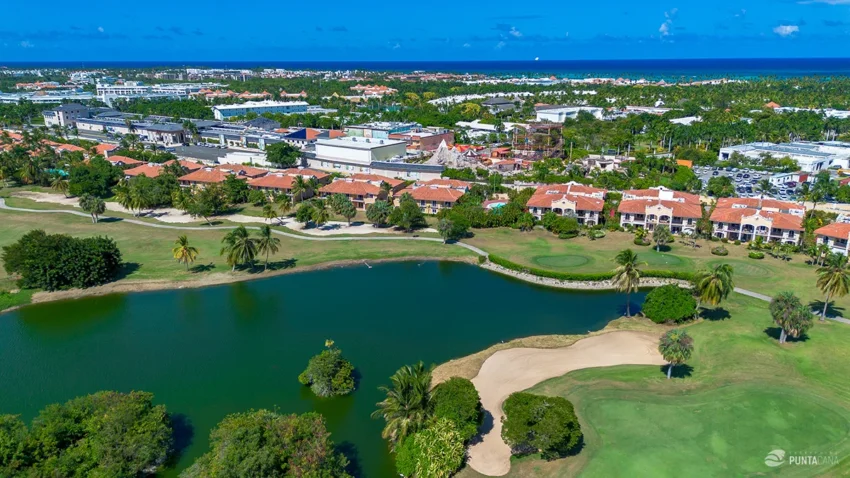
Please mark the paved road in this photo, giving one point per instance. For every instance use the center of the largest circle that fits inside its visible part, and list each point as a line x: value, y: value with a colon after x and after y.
x: 207, y: 228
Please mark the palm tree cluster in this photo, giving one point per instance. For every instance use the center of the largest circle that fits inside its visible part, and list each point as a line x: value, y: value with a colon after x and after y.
x: 406, y: 407
x: 240, y: 248
x: 792, y: 317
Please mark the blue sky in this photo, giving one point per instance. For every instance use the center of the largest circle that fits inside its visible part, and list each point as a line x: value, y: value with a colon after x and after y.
x: 384, y: 30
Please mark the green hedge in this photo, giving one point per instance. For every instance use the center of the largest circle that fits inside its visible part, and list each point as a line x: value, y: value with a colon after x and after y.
x: 578, y: 276
x: 756, y: 255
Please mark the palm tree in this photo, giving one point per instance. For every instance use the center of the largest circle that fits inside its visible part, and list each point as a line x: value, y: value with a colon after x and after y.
x: 299, y: 187
x: 386, y: 189
x: 321, y: 214
x: 59, y: 184
x: 676, y: 347
x: 284, y: 205
x: 269, y: 212
x: 626, y: 275
x: 183, y: 252
x: 713, y: 286
x: 833, y: 279
x: 792, y: 317
x: 405, y: 409
x: 239, y: 247
x: 267, y: 243
x: 764, y: 186
x: 662, y: 236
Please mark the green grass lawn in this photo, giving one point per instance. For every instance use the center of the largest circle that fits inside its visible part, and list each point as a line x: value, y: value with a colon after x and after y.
x: 741, y: 396
x: 542, y: 249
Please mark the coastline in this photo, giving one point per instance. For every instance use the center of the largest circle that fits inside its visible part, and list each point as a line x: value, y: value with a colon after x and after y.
x: 214, y: 279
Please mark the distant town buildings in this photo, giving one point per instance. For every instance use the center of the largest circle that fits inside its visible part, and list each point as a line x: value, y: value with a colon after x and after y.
x: 380, y: 129
x: 559, y: 114
x: 224, y: 112
x: 810, y: 156
x: 384, y: 157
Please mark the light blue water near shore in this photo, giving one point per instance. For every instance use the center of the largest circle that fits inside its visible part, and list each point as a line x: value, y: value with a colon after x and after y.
x: 651, y: 69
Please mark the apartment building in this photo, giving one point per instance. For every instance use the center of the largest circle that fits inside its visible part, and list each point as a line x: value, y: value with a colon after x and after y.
x: 648, y: 208
x: 434, y: 195
x: 362, y: 189
x: 836, y: 236
x: 282, y: 182
x: 585, y: 203
x: 745, y: 219
x: 218, y: 174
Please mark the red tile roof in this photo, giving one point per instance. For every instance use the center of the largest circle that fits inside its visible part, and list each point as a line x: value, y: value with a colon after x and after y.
x: 655, y: 193
x: 756, y: 203
x: 13, y: 135
x: 103, y: 148
x: 780, y: 220
x: 242, y: 171
x: 351, y: 188
x: 189, y: 165
x: 149, y: 170
x: 680, y: 209
x: 837, y: 230
x: 433, y: 193
x: 206, y: 176
x: 445, y: 183
x: 272, y: 181
x: 123, y: 160
x: 583, y: 203
x: 376, y: 178
x: 570, y: 188
x: 69, y: 147
x: 305, y: 172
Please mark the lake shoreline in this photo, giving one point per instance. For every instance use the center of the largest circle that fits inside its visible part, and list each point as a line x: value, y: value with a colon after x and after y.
x: 213, y: 279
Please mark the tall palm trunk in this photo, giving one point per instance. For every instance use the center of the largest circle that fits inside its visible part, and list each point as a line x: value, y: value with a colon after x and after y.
x: 266, y: 266
x: 669, y: 370
x: 782, y: 335
x: 628, y: 304
x: 825, y: 305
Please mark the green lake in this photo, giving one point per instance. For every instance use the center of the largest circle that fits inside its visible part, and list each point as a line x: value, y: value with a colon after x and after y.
x: 208, y: 352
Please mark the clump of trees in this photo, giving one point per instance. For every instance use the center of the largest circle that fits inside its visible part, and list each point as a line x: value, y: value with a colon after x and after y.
x: 201, y: 202
x: 329, y: 374
x: 268, y: 444
x: 103, y: 434
x: 564, y: 226
x: 792, y: 317
x: 58, y: 261
x: 428, y: 428
x: 407, y: 214
x: 539, y: 424
x: 669, y: 304
x: 95, y: 178
x: 283, y: 155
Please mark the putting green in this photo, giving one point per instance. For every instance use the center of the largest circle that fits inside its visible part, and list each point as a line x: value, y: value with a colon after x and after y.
x: 743, y: 268
x: 561, y: 261
x: 654, y: 259
x: 724, y: 432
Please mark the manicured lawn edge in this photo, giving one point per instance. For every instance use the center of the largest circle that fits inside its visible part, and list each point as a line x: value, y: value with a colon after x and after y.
x: 577, y: 276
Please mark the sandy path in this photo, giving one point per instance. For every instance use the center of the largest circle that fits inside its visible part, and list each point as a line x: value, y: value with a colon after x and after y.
x: 176, y: 216
x: 514, y: 370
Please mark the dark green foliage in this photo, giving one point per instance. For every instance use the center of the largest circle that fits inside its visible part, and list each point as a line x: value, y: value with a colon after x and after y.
x: 378, y: 212
x: 560, y: 225
x: 720, y: 186
x: 57, y: 261
x: 534, y: 423
x: 145, y: 155
x: 107, y: 434
x: 95, y: 178
x: 756, y: 255
x: 669, y: 303
x: 235, y: 189
x: 283, y: 155
x: 407, y: 214
x: 458, y: 400
x: 264, y: 443
x: 577, y: 276
x: 304, y: 213
x: 719, y: 251
x: 640, y: 242
x: 434, y: 452
x: 329, y: 374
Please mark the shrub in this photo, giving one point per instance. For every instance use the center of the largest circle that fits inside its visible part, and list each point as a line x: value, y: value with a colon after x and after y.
x: 264, y: 443
x: 669, y: 303
x: 437, y: 451
x: 482, y: 259
x: 640, y: 242
x: 756, y: 255
x: 568, y: 235
x: 737, y: 242
x: 534, y: 423
x: 596, y: 234
x: 457, y: 400
x: 58, y: 261
x: 724, y: 240
x: 715, y: 239
x: 328, y: 374
x: 719, y: 251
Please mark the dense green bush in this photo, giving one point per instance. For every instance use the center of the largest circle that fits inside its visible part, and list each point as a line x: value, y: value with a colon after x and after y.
x: 534, y: 423
x: 577, y: 276
x: 436, y: 451
x: 560, y: 225
x: 107, y: 434
x: 756, y: 255
x: 457, y: 400
x: 737, y: 242
x: 596, y: 233
x: 328, y: 374
x: 719, y: 251
x: 669, y: 303
x: 264, y: 443
x: 724, y: 240
x: 641, y: 242
x: 58, y: 261
x: 94, y: 177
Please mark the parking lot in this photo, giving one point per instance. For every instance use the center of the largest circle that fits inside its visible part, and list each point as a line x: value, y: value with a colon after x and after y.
x: 746, y: 181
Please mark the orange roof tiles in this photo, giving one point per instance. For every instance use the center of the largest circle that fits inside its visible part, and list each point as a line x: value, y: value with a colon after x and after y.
x: 656, y: 193
x: 272, y: 181
x: 205, y: 176
x: 103, y: 148
x: 685, y: 162
x: 779, y: 220
x: 445, y: 183
x: 239, y: 170
x: 123, y: 160
x: 351, y: 188
x: 69, y: 147
x: 570, y: 188
x: 680, y: 209
x: 305, y: 172
x: 149, y: 170
x: 434, y: 193
x: 583, y: 203
x: 394, y: 183
x: 756, y: 203
x: 837, y: 230
x: 189, y: 165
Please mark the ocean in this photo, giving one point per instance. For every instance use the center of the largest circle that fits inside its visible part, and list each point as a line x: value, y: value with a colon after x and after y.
x: 674, y: 70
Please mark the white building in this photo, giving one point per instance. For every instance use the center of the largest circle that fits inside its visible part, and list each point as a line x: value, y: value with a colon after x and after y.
x: 65, y: 115
x: 562, y: 113
x: 811, y: 157
x: 223, y: 112
x: 384, y: 157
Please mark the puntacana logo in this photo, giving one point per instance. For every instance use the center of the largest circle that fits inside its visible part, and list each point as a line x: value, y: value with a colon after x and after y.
x: 775, y: 458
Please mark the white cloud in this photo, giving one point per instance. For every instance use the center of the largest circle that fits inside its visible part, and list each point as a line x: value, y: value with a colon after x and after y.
x: 515, y: 32
x: 466, y: 45
x: 26, y: 44
x: 396, y: 46
x: 786, y: 30
x: 100, y: 29
x: 669, y: 15
x: 500, y: 45
x: 664, y: 29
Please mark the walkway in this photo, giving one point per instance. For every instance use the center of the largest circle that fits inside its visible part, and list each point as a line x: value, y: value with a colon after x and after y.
x: 207, y: 228
x: 767, y: 298
x: 514, y: 370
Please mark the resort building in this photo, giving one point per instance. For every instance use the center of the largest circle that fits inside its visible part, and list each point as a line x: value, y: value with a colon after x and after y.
x: 224, y: 112
x: 282, y: 182
x: 744, y: 219
x: 648, y: 208
x: 65, y: 115
x: 836, y: 236
x: 363, y: 190
x: 381, y: 129
x: 208, y: 175
x: 435, y: 195
x: 585, y: 203
x: 153, y: 170
x: 559, y: 114
x: 124, y: 161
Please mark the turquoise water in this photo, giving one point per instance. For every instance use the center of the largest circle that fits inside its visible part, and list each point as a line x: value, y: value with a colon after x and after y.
x: 208, y: 352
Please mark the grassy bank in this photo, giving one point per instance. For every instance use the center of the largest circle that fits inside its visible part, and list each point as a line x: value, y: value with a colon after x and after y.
x: 740, y: 396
